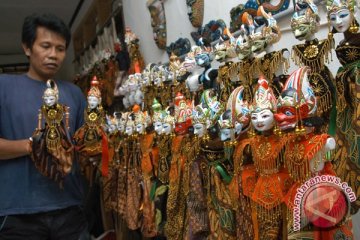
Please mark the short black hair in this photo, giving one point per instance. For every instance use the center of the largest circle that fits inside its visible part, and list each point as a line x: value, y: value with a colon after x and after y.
x: 49, y: 21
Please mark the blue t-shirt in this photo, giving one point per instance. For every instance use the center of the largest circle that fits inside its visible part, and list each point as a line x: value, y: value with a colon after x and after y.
x: 23, y: 190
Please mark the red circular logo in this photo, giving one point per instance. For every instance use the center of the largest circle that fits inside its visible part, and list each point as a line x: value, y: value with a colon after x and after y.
x: 325, y: 205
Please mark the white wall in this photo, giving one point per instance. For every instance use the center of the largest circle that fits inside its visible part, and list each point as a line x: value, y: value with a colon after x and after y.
x: 137, y: 17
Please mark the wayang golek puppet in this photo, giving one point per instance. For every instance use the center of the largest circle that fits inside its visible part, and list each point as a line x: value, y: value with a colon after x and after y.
x: 306, y: 151
x: 341, y: 16
x: 265, y: 182
x: 315, y: 54
x: 52, y: 150
x: 91, y: 141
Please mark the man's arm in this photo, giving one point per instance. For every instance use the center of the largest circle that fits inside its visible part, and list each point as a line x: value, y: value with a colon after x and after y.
x: 14, y: 148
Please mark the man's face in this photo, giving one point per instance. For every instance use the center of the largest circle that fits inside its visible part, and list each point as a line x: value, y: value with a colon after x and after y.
x: 46, y: 55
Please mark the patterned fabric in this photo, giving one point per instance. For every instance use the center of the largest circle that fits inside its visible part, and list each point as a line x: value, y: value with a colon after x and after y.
x: 197, y: 202
x: 347, y: 156
x: 176, y: 204
x: 134, y: 190
x: 315, y: 54
x: 52, y: 149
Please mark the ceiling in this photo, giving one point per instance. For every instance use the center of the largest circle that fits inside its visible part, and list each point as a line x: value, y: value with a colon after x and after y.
x: 12, y: 14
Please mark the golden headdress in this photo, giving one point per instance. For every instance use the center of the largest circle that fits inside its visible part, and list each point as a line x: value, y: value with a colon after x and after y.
x: 269, y: 30
x: 94, y: 89
x: 157, y: 111
x: 168, y: 118
x: 140, y: 116
x: 225, y: 120
x: 306, y: 12
x: 264, y: 97
x: 201, y: 115
x: 336, y: 5
x: 239, y: 106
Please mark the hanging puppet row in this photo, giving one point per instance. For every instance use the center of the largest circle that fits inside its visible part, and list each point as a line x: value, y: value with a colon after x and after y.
x: 204, y: 153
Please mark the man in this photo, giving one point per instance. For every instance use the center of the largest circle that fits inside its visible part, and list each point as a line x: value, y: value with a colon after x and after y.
x: 33, y: 206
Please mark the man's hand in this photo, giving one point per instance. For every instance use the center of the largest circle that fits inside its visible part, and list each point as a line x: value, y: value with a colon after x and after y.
x: 10, y: 149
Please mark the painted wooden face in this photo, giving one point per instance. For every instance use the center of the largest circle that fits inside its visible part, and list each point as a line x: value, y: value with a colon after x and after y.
x: 225, y: 134
x: 158, y: 127
x: 166, y: 128
x: 199, y: 129
x: 158, y: 22
x: 129, y: 130
x: 93, y: 102
x: 50, y: 100
x: 263, y: 120
x: 341, y: 20
x: 195, y: 12
x: 140, y: 128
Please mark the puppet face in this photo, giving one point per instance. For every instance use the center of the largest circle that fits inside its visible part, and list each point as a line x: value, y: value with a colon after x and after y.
x: 140, y: 128
x: 199, y: 129
x: 243, y: 51
x: 225, y: 134
x: 263, y: 120
x: 158, y: 127
x: 302, y: 31
x: 258, y: 45
x: 238, y: 127
x: 181, y: 128
x: 129, y: 130
x: 121, y: 128
x: 166, y: 128
x: 50, y: 100
x: 286, y: 116
x: 341, y: 20
x: 93, y: 102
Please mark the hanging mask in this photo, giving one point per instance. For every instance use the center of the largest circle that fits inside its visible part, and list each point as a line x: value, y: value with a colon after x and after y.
x: 305, y: 21
x: 158, y: 22
x: 195, y: 12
